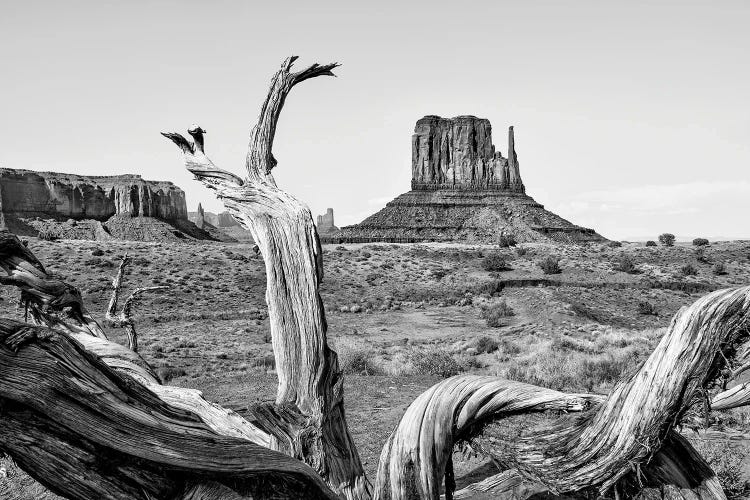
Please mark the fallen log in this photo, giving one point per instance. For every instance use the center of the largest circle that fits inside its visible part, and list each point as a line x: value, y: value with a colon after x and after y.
x: 90, y: 419
x: 625, y: 440
x: 87, y: 431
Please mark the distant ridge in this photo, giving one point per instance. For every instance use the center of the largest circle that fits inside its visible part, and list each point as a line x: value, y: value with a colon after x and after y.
x: 71, y: 206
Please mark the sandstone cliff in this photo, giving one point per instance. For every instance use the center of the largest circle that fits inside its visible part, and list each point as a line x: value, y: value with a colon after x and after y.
x: 28, y: 193
x: 222, y: 226
x: 220, y: 220
x: 69, y: 206
x: 457, y: 153
x: 325, y: 223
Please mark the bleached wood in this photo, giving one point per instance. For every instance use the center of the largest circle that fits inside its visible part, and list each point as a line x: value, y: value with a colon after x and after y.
x: 110, y: 437
x: 124, y: 318
x: 282, y: 226
x: 83, y: 401
x: 611, y: 445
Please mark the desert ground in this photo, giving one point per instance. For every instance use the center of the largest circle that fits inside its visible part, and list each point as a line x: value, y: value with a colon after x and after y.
x: 401, y: 317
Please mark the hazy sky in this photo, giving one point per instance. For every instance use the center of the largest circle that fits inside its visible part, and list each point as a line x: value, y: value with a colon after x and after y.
x: 631, y: 117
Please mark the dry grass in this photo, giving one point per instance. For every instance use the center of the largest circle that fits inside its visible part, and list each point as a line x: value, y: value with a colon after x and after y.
x: 420, y: 318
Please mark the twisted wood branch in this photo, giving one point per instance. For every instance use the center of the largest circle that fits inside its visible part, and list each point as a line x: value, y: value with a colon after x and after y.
x: 111, y: 437
x: 626, y: 433
x: 310, y: 381
x: 169, y: 443
x: 124, y: 318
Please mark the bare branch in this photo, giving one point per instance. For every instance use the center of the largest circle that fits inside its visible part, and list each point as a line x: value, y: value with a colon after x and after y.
x: 110, y: 437
x: 50, y: 300
x: 199, y: 164
x: 310, y: 381
x: 260, y: 158
x: 630, y: 430
x: 124, y: 317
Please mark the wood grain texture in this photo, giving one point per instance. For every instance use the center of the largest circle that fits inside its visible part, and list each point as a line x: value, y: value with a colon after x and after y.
x: 110, y: 437
x: 89, y: 419
x: 612, y: 442
x: 310, y: 381
x: 124, y: 319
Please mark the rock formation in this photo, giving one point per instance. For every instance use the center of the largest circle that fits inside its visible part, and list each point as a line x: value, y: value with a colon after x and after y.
x: 221, y: 226
x: 220, y: 220
x: 463, y: 189
x: 325, y: 223
x: 29, y: 193
x: 458, y: 153
x: 91, y: 207
x: 199, y: 219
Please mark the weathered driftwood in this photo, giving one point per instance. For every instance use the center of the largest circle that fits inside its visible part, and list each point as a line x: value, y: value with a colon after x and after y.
x: 51, y: 301
x: 124, y: 318
x: 87, y: 431
x: 613, y: 443
x: 310, y: 380
x: 89, y: 418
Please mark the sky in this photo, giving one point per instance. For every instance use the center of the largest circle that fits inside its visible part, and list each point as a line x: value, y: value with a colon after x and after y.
x: 632, y: 118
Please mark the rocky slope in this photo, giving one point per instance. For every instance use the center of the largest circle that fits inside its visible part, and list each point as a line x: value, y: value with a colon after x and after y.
x: 93, y: 207
x: 222, y: 226
x: 463, y: 189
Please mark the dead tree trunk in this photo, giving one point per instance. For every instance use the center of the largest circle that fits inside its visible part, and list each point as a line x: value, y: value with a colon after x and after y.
x: 625, y: 441
x: 118, y: 433
x: 310, y: 380
x: 89, y: 418
x: 124, y: 318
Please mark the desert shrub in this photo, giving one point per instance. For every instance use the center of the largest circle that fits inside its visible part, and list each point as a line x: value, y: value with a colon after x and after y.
x: 625, y: 264
x: 737, y: 418
x: 605, y: 370
x: 650, y: 243
x: 434, y: 362
x: 97, y: 252
x: 496, y: 313
x: 700, y: 242
x: 666, y: 239
x: 719, y: 269
x: 584, y: 311
x: 565, y: 370
x: 486, y: 345
x: 510, y: 347
x: 521, y: 251
x: 167, y: 373
x: 550, y: 265
x: 564, y: 342
x: 47, y: 236
x: 727, y: 462
x: 488, y: 287
x: 700, y: 255
x: 688, y: 270
x: 646, y: 308
x: 506, y: 240
x: 614, y: 244
x: 438, y: 274
x: 495, y: 261
x: 357, y: 361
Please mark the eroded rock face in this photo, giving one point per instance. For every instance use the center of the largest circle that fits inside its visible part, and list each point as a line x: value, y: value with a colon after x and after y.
x: 28, y: 193
x: 325, y: 223
x: 223, y: 219
x: 463, y: 189
x: 457, y: 153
